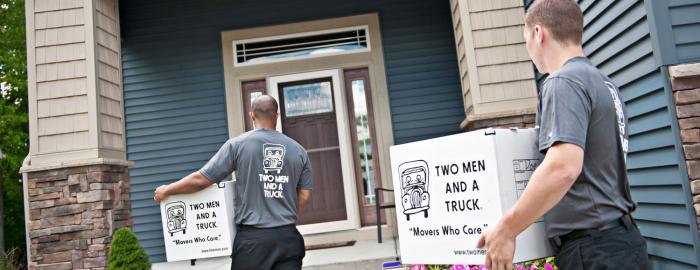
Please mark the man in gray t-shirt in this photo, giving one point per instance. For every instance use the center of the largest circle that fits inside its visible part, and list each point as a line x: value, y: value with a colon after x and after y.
x: 581, y: 186
x: 270, y: 167
x: 273, y: 184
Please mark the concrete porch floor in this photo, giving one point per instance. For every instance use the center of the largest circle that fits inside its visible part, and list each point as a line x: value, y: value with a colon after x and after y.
x: 364, y: 254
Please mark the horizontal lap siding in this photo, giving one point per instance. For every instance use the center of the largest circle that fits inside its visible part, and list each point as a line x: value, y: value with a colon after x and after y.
x: 685, y: 23
x: 174, y: 96
x: 617, y: 40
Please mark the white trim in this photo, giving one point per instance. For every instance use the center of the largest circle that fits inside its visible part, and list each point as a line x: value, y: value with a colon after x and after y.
x: 374, y: 61
x: 346, y: 158
x: 302, y: 34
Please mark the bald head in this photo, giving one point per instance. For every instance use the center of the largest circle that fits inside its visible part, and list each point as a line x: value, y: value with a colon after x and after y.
x: 265, y: 108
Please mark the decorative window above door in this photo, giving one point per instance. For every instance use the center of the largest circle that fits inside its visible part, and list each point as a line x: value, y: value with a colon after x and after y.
x: 301, y: 45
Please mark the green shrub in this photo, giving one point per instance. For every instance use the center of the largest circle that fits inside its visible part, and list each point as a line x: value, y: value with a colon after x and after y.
x: 12, y: 260
x: 126, y: 252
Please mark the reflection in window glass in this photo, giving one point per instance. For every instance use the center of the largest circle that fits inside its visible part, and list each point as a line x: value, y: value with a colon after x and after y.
x: 311, y: 98
x: 254, y: 95
x: 364, y: 141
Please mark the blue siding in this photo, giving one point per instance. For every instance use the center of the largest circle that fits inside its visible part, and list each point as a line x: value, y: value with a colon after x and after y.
x: 618, y: 39
x: 685, y: 24
x: 174, y: 90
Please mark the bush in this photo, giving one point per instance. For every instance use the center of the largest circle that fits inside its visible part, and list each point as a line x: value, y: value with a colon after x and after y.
x: 12, y: 260
x: 126, y: 252
x: 541, y: 264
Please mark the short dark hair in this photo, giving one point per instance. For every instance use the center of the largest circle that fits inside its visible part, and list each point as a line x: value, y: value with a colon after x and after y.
x: 563, y: 18
x: 265, y: 107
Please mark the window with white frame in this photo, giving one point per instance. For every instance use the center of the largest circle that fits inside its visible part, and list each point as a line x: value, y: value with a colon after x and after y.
x: 301, y: 45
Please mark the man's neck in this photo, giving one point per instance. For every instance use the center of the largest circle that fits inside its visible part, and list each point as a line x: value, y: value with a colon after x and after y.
x: 267, y: 127
x: 559, y: 58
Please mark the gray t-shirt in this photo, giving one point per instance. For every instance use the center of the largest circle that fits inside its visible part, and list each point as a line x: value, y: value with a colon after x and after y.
x: 580, y: 105
x: 269, y: 167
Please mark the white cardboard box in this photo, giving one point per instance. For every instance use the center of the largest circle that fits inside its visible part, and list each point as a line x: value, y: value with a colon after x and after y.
x: 449, y: 190
x: 199, y: 225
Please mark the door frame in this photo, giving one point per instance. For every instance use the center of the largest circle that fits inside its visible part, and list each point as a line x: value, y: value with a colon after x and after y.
x: 373, y: 60
x: 346, y: 157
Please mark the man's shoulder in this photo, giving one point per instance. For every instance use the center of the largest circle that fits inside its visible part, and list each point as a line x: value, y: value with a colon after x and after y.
x: 293, y: 143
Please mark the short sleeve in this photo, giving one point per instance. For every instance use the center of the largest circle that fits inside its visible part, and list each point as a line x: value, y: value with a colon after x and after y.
x: 565, y: 113
x: 305, y: 180
x: 222, y: 164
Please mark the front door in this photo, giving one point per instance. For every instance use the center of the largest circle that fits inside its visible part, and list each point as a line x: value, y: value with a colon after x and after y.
x: 313, y: 113
x: 308, y: 116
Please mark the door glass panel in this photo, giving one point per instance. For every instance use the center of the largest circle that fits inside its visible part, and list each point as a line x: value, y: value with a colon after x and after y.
x: 310, y: 98
x: 364, y: 140
x: 254, y: 95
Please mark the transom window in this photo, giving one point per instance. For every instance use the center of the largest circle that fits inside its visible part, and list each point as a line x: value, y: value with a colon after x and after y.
x: 301, y: 45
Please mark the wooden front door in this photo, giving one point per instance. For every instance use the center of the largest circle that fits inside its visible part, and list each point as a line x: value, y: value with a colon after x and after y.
x: 309, y: 117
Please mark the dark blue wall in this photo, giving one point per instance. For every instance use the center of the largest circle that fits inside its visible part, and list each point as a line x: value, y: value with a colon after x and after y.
x: 621, y: 38
x: 174, y: 88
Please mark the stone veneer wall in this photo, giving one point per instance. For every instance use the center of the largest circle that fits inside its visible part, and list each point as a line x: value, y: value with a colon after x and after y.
x: 519, y: 121
x: 73, y: 214
x: 685, y: 80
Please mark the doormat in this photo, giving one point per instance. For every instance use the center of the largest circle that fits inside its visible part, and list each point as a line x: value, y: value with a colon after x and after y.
x: 331, y: 245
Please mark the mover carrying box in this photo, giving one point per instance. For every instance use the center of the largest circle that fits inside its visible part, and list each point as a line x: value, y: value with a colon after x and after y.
x: 199, y: 225
x: 449, y: 190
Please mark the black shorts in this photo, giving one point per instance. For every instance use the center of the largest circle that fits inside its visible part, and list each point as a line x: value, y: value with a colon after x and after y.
x: 279, y: 248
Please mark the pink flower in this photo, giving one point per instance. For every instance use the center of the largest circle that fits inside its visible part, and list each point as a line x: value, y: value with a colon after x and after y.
x: 483, y: 267
x: 548, y: 266
x: 520, y: 267
x: 533, y: 267
x: 458, y: 267
x: 418, y: 267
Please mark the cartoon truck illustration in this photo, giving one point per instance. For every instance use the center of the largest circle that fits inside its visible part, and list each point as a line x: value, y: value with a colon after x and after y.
x: 273, y: 157
x: 414, y: 187
x: 176, y: 217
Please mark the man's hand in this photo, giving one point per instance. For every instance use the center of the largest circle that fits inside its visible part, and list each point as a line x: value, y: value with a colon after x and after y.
x: 500, y: 244
x: 548, y: 184
x: 161, y: 193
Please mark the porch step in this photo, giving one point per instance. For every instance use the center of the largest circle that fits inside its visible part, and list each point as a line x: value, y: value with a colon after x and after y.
x: 365, y: 254
x: 375, y: 264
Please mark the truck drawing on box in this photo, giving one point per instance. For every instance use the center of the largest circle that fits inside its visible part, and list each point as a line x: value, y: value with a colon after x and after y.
x: 176, y: 217
x: 273, y: 157
x: 414, y: 187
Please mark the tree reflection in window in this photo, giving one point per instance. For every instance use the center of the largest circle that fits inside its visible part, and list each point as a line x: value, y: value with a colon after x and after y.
x: 364, y: 140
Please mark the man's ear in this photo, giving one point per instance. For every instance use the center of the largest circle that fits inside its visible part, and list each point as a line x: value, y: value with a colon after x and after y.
x: 538, y: 32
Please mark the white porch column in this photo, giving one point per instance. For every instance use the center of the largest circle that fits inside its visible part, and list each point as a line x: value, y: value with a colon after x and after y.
x: 76, y: 111
x: 76, y: 179
x: 498, y: 83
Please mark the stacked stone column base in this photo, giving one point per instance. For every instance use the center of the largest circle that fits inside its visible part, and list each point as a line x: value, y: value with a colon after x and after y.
x: 517, y: 121
x: 73, y: 213
x: 685, y: 80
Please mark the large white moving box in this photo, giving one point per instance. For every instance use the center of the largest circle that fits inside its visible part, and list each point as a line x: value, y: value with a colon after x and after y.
x: 449, y: 190
x: 199, y: 225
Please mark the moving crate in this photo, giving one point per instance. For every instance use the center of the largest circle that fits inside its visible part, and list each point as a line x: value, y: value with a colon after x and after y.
x: 449, y: 190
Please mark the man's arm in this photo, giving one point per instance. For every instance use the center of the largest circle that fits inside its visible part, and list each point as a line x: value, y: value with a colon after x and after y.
x: 189, y: 184
x: 303, y: 197
x: 549, y: 183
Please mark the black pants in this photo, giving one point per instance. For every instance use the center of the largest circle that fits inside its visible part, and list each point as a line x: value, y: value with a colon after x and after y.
x: 622, y: 247
x: 280, y: 248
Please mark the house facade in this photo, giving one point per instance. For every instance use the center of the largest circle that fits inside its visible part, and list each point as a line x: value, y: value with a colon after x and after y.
x: 129, y: 95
